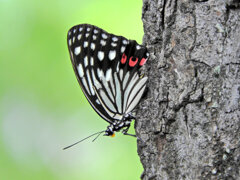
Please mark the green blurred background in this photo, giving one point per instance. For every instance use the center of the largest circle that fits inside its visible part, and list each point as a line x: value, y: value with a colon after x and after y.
x: 42, y: 108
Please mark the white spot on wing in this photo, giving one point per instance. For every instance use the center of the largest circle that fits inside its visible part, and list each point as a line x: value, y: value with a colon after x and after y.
x: 121, y: 74
x: 117, y: 68
x: 138, y: 47
x: 97, y: 101
x: 79, y: 36
x: 77, y: 50
x: 104, y: 36
x: 94, y: 37
x: 70, y: 42
x: 99, y: 73
x: 108, y: 74
x: 87, y: 34
x: 125, y: 41
x: 123, y: 49
x: 113, y: 44
x: 69, y: 33
x: 74, y: 30
x: 95, y: 31
x: 114, y: 38
x: 80, y: 70
x: 92, y: 46
x: 85, y: 61
x: 91, y: 61
x: 112, y: 54
x: 80, y: 29
x: 90, y: 82
x: 88, y: 29
x: 73, y: 39
x: 100, y: 55
x: 103, y: 43
x: 85, y: 44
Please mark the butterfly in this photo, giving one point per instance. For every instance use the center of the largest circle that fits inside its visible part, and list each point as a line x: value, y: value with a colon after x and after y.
x: 107, y: 69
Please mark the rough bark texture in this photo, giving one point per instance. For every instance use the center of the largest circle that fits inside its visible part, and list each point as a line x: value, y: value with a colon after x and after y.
x: 188, y: 126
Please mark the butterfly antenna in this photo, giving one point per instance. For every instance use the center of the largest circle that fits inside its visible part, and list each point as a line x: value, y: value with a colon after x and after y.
x: 97, y: 136
x: 84, y: 139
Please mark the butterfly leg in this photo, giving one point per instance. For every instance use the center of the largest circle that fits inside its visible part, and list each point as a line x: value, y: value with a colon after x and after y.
x: 125, y: 132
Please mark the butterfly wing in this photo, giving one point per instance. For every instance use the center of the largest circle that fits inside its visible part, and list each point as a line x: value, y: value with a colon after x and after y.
x: 106, y: 67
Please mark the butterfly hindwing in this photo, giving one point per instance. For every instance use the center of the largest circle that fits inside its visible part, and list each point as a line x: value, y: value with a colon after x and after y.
x: 106, y: 67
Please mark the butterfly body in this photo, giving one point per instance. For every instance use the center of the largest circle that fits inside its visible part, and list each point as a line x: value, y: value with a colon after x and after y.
x: 107, y: 68
x: 116, y: 125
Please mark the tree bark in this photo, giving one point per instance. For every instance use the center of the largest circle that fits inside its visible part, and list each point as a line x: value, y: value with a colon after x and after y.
x: 188, y: 125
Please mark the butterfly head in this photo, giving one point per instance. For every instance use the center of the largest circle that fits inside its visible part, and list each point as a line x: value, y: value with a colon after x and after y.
x: 110, y: 131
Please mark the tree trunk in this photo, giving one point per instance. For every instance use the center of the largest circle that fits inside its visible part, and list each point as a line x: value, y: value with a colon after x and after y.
x: 188, y: 125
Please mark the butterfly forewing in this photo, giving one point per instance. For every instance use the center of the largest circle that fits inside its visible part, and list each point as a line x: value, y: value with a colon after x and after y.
x: 106, y: 67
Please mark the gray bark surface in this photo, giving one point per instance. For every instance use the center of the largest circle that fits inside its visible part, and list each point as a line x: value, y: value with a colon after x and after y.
x: 188, y: 125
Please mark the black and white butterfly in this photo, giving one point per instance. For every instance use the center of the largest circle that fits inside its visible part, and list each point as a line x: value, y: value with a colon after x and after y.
x: 106, y: 67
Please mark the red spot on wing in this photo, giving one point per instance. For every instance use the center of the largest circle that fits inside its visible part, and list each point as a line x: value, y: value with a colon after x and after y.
x: 132, y: 63
x: 142, y: 62
x: 124, y: 58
